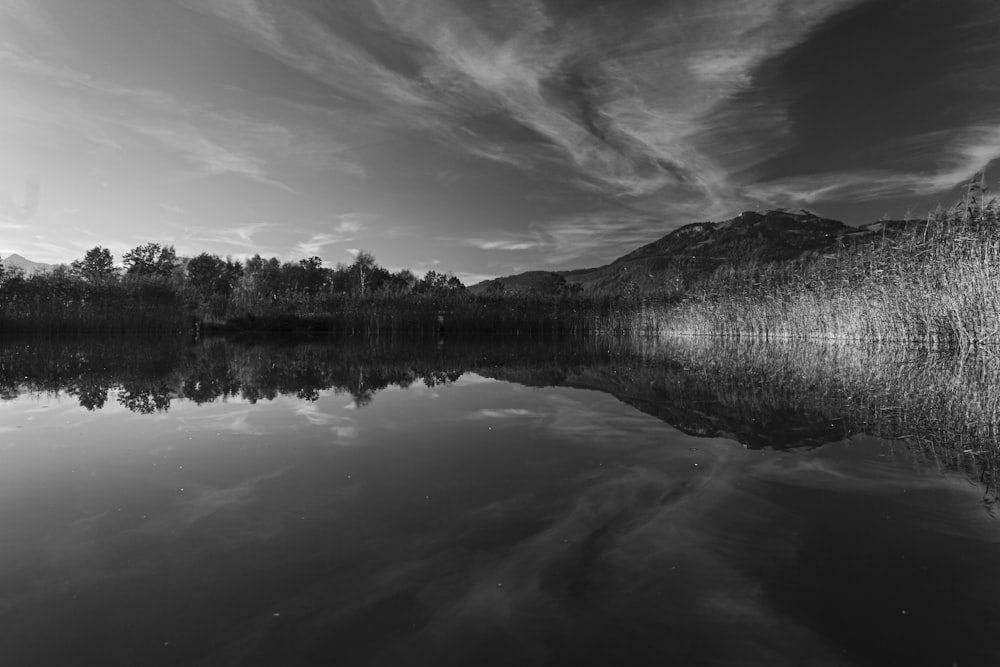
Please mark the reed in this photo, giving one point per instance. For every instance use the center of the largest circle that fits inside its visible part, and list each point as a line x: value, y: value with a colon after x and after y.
x: 936, y: 283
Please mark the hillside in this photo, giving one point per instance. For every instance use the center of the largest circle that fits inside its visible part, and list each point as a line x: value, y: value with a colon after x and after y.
x: 699, y: 248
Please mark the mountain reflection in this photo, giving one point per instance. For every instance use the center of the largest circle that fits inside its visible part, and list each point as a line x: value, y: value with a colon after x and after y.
x: 775, y: 395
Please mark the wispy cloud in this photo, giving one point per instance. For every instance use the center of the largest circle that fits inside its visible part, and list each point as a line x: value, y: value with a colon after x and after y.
x: 596, y: 236
x: 32, y: 16
x: 212, y: 141
x: 623, y: 108
x: 614, y: 123
x: 299, y: 39
x: 965, y: 153
x: 345, y: 229
x: 485, y: 244
x: 242, y: 236
x: 637, y: 120
x: 211, y: 158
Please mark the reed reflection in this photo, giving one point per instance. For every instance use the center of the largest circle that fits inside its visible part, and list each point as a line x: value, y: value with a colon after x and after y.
x: 762, y: 394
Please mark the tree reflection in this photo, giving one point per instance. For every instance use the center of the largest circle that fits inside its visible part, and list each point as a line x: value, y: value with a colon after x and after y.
x: 93, y: 394
x: 145, y: 401
x: 763, y: 395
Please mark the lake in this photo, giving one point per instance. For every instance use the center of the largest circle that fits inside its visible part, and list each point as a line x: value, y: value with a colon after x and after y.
x: 511, y: 501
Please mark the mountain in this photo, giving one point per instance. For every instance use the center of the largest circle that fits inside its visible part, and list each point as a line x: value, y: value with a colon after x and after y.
x: 26, y: 265
x: 699, y: 249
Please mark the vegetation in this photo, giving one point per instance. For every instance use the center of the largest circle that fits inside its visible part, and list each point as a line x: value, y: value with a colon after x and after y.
x: 774, y: 394
x: 155, y: 291
x: 935, y: 281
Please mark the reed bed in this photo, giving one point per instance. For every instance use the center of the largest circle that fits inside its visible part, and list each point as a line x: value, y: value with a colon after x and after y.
x: 936, y: 283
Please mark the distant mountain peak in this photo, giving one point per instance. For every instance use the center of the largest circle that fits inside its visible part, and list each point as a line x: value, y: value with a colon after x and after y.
x: 699, y: 248
x: 29, y: 267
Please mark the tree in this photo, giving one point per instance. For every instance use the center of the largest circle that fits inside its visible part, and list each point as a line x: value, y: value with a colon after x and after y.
x: 438, y: 283
x: 401, y: 282
x: 259, y: 284
x: 97, y: 266
x: 207, y: 274
x: 150, y: 259
x: 364, y: 264
x: 554, y: 284
x: 311, y: 276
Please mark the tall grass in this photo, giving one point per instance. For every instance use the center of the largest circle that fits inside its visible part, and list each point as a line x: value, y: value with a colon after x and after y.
x: 430, y: 314
x: 936, y: 282
x: 58, y: 303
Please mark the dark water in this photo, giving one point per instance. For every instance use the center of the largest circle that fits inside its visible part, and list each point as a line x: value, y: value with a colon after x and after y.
x: 495, y: 503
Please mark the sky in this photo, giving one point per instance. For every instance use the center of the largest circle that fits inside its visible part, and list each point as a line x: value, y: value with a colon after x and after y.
x: 477, y: 137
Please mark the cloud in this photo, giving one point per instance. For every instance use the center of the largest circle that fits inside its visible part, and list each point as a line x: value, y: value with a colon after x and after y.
x: 69, y: 78
x: 649, y: 111
x: 630, y: 120
x: 592, y: 237
x: 103, y: 139
x: 301, y: 40
x: 634, y: 121
x: 253, y: 16
x: 595, y: 235
x: 967, y: 152
x: 346, y: 229
x: 236, y: 235
x: 484, y: 244
x: 211, y: 158
x: 32, y: 16
x: 212, y: 140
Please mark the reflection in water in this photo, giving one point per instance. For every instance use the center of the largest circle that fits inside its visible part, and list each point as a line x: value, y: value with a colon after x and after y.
x: 478, y: 502
x: 776, y: 395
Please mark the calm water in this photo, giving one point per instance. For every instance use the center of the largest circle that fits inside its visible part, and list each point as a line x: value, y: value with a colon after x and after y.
x: 493, y: 503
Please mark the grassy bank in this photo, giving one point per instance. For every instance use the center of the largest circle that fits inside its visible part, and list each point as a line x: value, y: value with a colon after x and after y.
x: 936, y: 282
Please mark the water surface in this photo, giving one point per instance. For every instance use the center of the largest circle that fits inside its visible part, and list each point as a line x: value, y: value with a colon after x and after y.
x: 494, y: 502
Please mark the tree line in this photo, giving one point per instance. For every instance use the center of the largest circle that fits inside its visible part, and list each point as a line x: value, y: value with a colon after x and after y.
x: 155, y: 290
